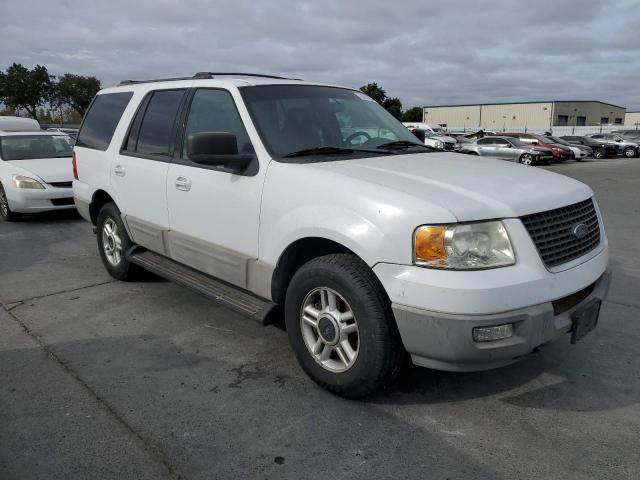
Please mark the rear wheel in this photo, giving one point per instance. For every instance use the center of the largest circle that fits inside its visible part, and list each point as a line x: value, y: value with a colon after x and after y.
x: 341, y: 326
x: 5, y: 210
x: 113, y: 243
x: 526, y: 159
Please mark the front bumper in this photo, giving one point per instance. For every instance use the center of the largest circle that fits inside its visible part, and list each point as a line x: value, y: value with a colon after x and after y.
x: 444, y: 341
x: 31, y: 200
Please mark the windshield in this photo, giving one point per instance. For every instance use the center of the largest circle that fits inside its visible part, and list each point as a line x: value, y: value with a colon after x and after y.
x: 294, y: 118
x: 558, y: 140
x: 27, y: 147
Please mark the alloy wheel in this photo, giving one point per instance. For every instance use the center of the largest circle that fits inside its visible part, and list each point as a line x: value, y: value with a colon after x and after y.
x: 111, y: 242
x: 329, y: 329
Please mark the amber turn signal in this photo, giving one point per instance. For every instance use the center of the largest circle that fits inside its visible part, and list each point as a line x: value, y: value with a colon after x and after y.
x: 429, y: 243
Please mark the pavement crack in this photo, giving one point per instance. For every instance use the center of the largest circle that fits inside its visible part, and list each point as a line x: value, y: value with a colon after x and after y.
x: 12, y: 304
x: 153, y: 448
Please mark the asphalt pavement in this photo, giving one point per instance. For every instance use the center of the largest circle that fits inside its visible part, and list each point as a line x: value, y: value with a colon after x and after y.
x: 105, y: 379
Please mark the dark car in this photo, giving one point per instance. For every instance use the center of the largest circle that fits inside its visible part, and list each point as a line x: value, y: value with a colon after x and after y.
x: 560, y: 153
x: 601, y: 148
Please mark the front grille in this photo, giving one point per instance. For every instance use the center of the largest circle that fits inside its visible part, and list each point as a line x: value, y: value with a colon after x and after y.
x: 58, y: 202
x: 449, y: 146
x: 61, y: 184
x: 552, y: 232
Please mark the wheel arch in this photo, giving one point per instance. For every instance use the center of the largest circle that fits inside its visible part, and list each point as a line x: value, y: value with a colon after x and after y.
x: 98, y: 200
x: 297, y: 254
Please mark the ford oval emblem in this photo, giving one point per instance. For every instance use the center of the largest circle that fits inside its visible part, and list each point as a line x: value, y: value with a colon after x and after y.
x: 580, y: 230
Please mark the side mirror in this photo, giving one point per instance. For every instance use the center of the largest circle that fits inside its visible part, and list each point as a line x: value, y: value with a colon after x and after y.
x: 217, y: 149
x: 421, y: 134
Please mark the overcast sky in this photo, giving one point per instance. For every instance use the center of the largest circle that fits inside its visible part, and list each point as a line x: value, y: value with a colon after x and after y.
x: 426, y: 53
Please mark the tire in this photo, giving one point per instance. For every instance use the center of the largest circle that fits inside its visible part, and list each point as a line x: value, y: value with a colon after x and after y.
x: 473, y: 153
x: 629, y: 152
x: 599, y: 153
x: 116, y: 264
x: 527, y: 159
x: 376, y: 354
x: 5, y: 209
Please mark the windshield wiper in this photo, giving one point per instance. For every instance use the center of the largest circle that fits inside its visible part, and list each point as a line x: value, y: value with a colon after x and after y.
x: 327, y: 151
x: 402, y: 144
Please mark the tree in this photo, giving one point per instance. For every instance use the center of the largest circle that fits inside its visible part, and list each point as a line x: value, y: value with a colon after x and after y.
x: 374, y: 91
x: 21, y: 88
x: 412, y: 115
x: 76, y: 91
x: 393, y: 105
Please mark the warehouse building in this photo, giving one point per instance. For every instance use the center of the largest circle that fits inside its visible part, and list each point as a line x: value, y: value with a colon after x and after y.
x: 632, y: 119
x: 526, y: 115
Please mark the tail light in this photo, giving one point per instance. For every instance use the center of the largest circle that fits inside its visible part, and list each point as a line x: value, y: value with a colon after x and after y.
x: 75, y: 166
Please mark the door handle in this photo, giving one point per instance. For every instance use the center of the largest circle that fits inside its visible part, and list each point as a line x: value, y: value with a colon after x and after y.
x: 183, y: 183
x: 119, y: 170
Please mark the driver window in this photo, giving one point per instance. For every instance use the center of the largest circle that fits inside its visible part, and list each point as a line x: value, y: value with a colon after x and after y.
x: 215, y: 111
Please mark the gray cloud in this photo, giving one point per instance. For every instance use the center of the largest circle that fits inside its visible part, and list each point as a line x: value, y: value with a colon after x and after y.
x: 424, y: 52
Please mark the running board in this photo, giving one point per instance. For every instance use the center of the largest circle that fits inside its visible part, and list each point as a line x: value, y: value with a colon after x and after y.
x: 220, y: 292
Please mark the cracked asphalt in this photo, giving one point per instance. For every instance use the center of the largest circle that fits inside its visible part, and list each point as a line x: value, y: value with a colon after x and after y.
x: 104, y: 379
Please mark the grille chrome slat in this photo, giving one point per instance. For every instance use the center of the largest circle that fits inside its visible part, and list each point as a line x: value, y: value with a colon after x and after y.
x: 552, y: 232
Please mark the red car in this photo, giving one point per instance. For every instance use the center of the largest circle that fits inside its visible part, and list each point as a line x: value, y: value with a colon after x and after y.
x: 559, y: 152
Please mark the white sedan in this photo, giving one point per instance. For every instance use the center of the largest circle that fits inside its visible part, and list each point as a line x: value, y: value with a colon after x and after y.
x: 35, y: 172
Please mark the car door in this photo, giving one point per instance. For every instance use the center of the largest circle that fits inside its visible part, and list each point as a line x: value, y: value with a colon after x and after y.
x: 214, y: 212
x: 486, y: 146
x: 139, y: 172
x: 503, y: 149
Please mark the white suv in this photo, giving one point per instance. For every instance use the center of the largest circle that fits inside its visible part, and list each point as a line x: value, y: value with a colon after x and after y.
x: 259, y: 191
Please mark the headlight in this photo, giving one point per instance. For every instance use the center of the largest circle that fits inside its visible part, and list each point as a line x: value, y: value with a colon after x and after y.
x: 439, y: 144
x: 464, y: 246
x: 20, y: 181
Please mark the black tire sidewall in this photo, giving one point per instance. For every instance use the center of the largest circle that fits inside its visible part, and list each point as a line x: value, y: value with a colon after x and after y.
x: 124, y: 270
x: 370, y: 314
x: 9, y: 216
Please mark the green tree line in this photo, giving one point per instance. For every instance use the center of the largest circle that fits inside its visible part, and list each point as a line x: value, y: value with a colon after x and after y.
x: 392, y: 105
x: 43, y: 96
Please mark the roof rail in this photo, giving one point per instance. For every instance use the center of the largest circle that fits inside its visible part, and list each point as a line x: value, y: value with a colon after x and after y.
x: 204, y: 75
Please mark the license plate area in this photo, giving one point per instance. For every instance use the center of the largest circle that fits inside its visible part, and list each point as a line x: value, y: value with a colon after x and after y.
x: 585, y: 319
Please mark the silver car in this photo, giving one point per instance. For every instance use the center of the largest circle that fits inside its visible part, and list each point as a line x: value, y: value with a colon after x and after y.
x: 507, y: 148
x: 628, y: 148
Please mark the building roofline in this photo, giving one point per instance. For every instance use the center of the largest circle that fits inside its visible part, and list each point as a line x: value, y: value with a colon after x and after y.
x: 522, y: 103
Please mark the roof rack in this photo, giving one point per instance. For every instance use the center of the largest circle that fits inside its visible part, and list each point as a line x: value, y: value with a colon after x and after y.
x: 204, y: 75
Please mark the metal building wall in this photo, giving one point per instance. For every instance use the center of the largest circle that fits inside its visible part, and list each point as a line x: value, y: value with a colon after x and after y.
x: 594, y: 113
x: 632, y: 119
x: 516, y: 116
x: 454, y: 117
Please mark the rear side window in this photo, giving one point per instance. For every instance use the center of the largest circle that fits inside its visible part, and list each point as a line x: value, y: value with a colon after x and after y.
x: 486, y: 141
x: 153, y: 126
x: 102, y: 119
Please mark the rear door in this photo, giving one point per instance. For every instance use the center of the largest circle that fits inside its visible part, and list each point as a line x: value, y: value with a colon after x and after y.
x: 504, y: 149
x: 139, y: 172
x: 214, y: 212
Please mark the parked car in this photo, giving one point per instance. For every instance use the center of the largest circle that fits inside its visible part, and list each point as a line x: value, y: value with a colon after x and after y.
x: 633, y: 135
x: 10, y: 123
x: 35, y: 172
x: 434, y: 136
x: 507, y: 148
x: 72, y: 132
x: 257, y: 192
x: 628, y: 148
x: 559, y: 152
x: 579, y: 151
x: 601, y: 149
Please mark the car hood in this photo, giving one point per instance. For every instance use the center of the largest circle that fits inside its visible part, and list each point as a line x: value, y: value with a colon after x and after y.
x: 470, y: 187
x: 48, y: 169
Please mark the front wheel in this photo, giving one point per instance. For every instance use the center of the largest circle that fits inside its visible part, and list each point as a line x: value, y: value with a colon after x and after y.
x: 5, y: 209
x: 629, y: 152
x: 599, y: 153
x: 113, y: 243
x: 341, y: 326
x: 526, y: 159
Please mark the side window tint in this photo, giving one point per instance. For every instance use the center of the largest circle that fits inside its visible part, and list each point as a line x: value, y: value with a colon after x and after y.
x: 102, y: 119
x: 501, y: 141
x: 486, y: 141
x: 154, y: 136
x: 215, y: 111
